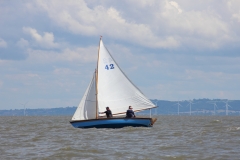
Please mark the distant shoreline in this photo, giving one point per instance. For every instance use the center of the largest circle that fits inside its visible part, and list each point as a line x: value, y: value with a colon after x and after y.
x: 165, y: 107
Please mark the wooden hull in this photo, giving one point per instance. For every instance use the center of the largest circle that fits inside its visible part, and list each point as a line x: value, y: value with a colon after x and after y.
x: 114, y: 123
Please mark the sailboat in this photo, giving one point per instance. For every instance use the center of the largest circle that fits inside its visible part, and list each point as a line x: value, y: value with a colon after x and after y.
x: 110, y: 87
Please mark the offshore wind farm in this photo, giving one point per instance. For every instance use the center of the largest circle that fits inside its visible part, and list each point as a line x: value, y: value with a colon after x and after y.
x: 195, y: 107
x: 199, y: 107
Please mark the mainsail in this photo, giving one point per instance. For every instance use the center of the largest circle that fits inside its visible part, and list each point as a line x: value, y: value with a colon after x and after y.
x: 114, y: 90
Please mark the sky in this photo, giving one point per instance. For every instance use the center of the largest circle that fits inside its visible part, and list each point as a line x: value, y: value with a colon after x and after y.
x: 171, y: 50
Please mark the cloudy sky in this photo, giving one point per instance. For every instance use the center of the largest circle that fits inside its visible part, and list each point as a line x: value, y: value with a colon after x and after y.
x: 172, y: 50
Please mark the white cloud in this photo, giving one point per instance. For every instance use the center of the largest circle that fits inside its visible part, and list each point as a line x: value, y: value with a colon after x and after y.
x: 88, y: 54
x: 175, y: 5
x: 233, y: 6
x: 77, y: 17
x: 156, y: 24
x: 142, y: 3
x: 237, y: 16
x: 45, y: 41
x: 22, y: 43
x: 3, y: 44
x: 114, y: 14
x: 205, y: 27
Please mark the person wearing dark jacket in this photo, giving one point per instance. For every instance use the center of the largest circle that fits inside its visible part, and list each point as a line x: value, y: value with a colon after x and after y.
x: 130, y: 113
x: 108, y: 112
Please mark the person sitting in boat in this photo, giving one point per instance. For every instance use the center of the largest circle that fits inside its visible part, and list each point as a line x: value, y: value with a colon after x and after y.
x: 130, y: 113
x: 108, y: 112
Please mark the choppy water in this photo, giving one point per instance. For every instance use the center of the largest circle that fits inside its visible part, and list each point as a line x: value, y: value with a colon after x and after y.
x: 172, y: 137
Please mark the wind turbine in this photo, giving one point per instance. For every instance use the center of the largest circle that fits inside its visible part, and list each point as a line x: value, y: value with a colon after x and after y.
x: 178, y: 106
x: 24, y: 111
x: 227, y: 105
x: 190, y: 104
x: 214, y: 105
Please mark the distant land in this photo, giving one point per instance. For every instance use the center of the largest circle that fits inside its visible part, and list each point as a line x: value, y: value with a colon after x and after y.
x: 198, y: 107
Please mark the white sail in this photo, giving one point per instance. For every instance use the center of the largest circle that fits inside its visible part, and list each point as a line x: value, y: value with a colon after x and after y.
x: 115, y: 89
x: 87, y: 107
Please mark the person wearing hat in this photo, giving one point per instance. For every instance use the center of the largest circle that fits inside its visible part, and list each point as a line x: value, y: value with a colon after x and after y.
x: 108, y: 112
x: 130, y: 113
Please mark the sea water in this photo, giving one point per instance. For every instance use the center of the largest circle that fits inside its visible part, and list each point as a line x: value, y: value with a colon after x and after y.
x: 171, y: 137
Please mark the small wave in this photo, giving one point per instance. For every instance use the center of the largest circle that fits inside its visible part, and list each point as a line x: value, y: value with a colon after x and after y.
x: 176, y: 157
x: 216, y: 121
x: 233, y: 128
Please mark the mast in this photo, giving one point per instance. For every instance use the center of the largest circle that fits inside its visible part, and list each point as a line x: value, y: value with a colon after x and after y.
x: 96, y: 77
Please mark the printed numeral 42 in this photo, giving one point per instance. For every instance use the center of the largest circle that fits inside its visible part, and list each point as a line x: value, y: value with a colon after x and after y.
x: 110, y: 66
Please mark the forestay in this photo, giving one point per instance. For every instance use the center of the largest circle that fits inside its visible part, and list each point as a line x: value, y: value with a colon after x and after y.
x: 115, y: 89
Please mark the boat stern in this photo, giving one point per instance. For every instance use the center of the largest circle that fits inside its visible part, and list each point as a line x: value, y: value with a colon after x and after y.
x: 153, y: 120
